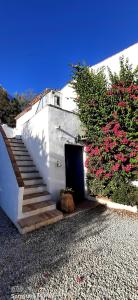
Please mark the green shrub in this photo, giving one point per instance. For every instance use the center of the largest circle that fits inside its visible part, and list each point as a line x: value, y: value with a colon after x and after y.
x: 109, y: 114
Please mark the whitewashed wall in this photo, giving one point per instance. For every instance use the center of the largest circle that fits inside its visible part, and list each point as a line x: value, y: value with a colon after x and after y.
x: 45, y: 136
x: 63, y: 128
x: 10, y: 132
x: 68, y: 96
x: 10, y: 193
x: 67, y: 92
x: 35, y: 136
x: 113, y: 62
x: 27, y: 116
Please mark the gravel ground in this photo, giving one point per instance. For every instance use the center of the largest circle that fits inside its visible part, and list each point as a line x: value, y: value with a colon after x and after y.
x: 92, y: 255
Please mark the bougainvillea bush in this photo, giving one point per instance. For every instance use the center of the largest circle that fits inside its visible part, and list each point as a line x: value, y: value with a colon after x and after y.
x: 109, y: 112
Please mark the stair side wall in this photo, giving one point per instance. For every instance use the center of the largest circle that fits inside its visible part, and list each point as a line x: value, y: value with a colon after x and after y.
x: 10, y: 193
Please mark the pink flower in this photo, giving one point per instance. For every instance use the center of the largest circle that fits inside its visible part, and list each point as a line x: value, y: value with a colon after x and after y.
x: 115, y: 167
x: 87, y: 162
x: 96, y: 151
x: 133, y: 144
x: 113, y: 144
x: 106, y: 148
x: 129, y: 89
x: 127, y: 168
x: 134, y: 97
x: 116, y: 127
x: 132, y: 154
x: 120, y: 156
x: 106, y: 129
x: 122, y: 104
x: 120, y: 133
x: 87, y: 149
x: 124, y: 141
x: 99, y: 172
x: 135, y: 87
x: 108, y: 175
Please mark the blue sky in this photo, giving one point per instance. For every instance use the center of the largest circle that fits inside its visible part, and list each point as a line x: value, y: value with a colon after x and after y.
x: 40, y: 38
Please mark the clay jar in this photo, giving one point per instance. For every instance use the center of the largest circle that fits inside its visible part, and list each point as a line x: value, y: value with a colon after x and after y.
x: 66, y: 201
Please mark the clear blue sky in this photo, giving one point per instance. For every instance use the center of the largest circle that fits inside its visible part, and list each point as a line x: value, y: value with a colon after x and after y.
x: 39, y: 38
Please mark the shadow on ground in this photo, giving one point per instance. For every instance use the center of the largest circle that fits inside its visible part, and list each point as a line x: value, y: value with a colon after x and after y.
x: 43, y: 251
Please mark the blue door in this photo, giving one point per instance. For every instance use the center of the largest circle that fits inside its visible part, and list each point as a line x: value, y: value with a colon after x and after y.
x: 75, y: 170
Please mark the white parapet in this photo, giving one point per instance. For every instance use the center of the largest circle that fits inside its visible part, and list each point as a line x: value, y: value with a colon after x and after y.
x: 114, y: 205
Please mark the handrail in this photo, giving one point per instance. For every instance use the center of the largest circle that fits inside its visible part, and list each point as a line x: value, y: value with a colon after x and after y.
x: 13, y: 161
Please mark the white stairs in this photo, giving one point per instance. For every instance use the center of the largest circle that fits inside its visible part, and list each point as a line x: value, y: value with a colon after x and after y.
x: 38, y: 209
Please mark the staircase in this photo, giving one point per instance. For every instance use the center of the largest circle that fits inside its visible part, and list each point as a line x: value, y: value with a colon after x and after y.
x: 38, y: 209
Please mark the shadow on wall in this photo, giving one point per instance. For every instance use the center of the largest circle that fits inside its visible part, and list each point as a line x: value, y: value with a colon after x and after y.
x: 46, y: 163
x: 28, y: 262
x: 37, y: 147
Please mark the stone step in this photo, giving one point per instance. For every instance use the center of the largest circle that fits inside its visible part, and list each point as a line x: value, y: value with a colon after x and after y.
x: 34, y: 222
x: 32, y: 180
x: 30, y: 174
x: 36, y: 197
x: 37, y: 208
x: 31, y: 168
x: 35, y: 188
x: 26, y: 162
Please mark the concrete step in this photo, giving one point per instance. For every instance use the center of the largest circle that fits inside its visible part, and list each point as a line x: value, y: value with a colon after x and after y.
x: 20, y: 152
x: 35, y: 188
x: 36, y: 197
x: 22, y: 157
x: 34, y: 222
x: 32, y: 180
x: 17, y: 147
x: 15, y: 141
x: 27, y: 168
x: 37, y: 208
x: 26, y: 162
x: 31, y: 174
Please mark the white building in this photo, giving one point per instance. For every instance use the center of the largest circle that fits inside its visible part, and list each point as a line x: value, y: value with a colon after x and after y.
x: 51, y: 157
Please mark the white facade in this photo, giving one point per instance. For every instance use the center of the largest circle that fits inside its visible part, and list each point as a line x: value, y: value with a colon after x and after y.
x: 51, y: 123
x: 112, y: 63
x: 45, y: 136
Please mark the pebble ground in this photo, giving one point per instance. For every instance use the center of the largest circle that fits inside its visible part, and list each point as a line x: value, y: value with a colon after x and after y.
x: 92, y: 255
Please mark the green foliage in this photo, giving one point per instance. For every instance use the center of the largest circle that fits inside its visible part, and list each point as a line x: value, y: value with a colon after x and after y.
x: 119, y: 189
x: 25, y: 97
x: 9, y: 108
x: 109, y: 114
x: 91, y: 89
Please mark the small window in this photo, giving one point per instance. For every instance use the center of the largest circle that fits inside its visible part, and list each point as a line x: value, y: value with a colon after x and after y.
x: 57, y: 100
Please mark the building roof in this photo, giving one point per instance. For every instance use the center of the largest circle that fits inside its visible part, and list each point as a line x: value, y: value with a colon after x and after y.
x: 32, y: 102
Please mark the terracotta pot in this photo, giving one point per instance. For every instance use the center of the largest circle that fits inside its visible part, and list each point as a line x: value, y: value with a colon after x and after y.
x: 67, y: 202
